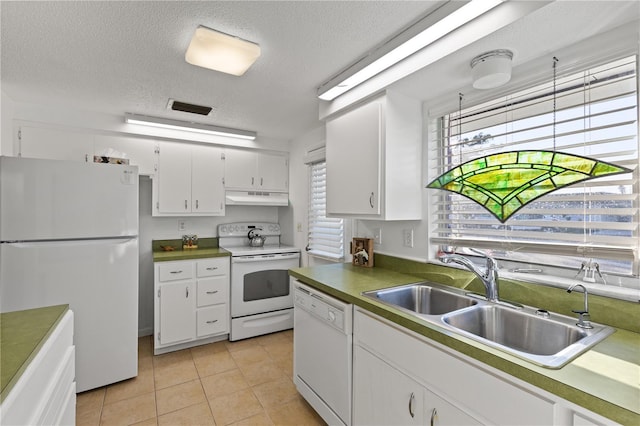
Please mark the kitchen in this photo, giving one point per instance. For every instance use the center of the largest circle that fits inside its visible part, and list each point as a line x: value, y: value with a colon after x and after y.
x: 34, y: 105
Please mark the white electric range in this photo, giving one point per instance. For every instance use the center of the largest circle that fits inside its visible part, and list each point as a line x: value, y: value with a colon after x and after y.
x: 261, y: 296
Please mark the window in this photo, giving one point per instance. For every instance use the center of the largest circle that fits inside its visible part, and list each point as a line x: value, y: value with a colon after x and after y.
x: 596, y: 116
x: 326, y: 235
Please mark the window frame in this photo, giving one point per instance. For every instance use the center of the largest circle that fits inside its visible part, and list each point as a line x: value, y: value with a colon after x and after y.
x: 320, y: 227
x: 436, y: 245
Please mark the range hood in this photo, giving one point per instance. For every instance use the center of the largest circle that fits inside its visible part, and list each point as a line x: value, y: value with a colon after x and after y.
x: 256, y: 198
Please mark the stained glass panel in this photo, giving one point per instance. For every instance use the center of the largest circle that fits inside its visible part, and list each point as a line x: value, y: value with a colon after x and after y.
x: 504, y: 183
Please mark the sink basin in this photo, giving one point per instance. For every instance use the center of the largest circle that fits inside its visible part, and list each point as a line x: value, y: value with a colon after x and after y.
x: 550, y: 342
x: 422, y: 299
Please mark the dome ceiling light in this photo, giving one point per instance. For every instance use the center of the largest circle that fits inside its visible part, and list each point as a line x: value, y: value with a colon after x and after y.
x: 491, y: 69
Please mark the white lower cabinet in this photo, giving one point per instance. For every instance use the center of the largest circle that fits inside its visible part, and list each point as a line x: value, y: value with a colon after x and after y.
x: 45, y: 393
x: 177, y: 305
x: 386, y: 396
x: 191, y: 303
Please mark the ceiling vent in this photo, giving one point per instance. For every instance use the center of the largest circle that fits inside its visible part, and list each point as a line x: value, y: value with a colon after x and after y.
x: 191, y: 108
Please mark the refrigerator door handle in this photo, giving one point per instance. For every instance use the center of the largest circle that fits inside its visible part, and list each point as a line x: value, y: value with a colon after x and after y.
x: 66, y: 243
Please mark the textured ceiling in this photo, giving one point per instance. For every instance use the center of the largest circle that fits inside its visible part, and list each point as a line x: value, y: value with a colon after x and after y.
x: 128, y: 56
x: 118, y: 57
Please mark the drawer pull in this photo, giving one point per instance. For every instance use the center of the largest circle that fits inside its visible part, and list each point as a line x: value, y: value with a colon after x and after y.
x: 176, y: 272
x: 212, y: 321
x: 212, y: 268
x: 187, y: 292
x: 212, y: 292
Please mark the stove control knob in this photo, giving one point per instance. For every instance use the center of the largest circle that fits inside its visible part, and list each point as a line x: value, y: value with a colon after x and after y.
x: 332, y: 316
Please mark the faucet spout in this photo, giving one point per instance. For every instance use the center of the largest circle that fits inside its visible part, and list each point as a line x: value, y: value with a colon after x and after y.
x: 489, y: 277
x: 583, y: 321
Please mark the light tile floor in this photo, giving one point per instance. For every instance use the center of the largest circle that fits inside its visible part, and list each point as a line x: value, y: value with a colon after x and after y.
x: 248, y: 382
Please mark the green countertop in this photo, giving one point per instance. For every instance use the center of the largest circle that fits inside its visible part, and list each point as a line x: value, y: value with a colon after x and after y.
x: 605, y: 379
x: 22, y: 334
x: 207, y: 247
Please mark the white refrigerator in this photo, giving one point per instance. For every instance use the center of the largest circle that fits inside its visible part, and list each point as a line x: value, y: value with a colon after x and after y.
x: 69, y: 235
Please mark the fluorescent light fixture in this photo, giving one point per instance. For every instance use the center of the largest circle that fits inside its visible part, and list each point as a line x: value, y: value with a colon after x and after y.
x: 221, y: 52
x: 164, y: 123
x: 434, y: 32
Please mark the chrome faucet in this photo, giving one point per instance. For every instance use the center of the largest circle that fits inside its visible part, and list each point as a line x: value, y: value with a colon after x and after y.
x: 489, y: 278
x: 583, y: 316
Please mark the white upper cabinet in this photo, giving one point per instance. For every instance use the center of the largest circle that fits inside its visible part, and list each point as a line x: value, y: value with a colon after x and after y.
x: 189, y: 181
x: 53, y: 144
x: 250, y: 171
x: 38, y: 142
x: 374, y: 157
x: 140, y: 152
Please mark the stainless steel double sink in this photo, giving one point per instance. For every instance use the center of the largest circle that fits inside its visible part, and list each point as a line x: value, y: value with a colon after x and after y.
x: 547, y: 339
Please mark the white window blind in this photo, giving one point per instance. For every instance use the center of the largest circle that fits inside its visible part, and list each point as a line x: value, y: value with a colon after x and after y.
x: 326, y: 235
x: 596, y: 116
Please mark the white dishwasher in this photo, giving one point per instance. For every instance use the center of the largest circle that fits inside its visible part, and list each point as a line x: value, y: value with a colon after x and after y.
x: 322, y: 352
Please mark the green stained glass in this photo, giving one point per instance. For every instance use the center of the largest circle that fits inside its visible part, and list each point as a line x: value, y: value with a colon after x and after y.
x: 504, y: 183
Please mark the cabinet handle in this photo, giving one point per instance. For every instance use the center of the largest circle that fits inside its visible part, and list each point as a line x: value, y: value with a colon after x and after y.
x: 187, y: 292
x: 212, y: 321
x: 197, y: 205
x: 371, y: 200
x: 261, y: 180
x: 212, y: 268
x: 252, y: 180
x: 411, y: 401
x: 434, y: 417
x: 176, y: 272
x: 212, y: 292
x: 185, y: 204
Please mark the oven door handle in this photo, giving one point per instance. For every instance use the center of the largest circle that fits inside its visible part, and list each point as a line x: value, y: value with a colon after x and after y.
x: 264, y: 257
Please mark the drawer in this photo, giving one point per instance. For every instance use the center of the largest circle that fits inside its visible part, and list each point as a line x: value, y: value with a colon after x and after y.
x: 213, y: 266
x: 213, y: 290
x: 212, y: 320
x: 173, y: 271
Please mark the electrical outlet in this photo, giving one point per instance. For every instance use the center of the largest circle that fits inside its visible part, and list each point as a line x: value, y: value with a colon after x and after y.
x: 377, y: 235
x: 182, y: 225
x: 407, y: 237
x: 299, y: 227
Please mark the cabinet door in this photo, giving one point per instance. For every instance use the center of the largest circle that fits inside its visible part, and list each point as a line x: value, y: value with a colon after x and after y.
x: 273, y: 172
x: 174, y: 178
x: 353, y: 161
x: 207, y: 188
x: 441, y: 413
x: 240, y: 169
x: 52, y: 144
x: 177, y: 312
x: 383, y: 395
x: 140, y: 152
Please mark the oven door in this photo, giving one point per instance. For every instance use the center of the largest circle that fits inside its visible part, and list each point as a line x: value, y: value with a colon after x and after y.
x: 261, y: 283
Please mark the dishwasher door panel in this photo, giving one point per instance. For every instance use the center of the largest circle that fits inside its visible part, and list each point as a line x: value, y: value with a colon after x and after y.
x: 322, y: 360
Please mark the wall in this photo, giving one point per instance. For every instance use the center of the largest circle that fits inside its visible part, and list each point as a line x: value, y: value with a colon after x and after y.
x: 296, y: 218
